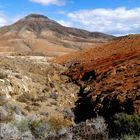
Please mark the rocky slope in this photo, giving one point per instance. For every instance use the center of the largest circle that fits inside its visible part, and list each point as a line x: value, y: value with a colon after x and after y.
x: 36, y: 101
x: 32, y: 87
x: 109, y: 78
x: 38, y: 34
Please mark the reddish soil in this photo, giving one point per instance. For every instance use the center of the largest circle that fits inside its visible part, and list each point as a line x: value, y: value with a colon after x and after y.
x: 112, y: 72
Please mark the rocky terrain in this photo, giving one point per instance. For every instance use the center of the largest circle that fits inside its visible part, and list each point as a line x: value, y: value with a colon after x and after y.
x: 36, y: 102
x: 85, y: 94
x: 109, y: 78
x: 31, y: 85
x: 33, y: 90
x: 39, y: 35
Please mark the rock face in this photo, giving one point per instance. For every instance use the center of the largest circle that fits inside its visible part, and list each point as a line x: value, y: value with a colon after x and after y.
x: 109, y: 79
x: 36, y: 34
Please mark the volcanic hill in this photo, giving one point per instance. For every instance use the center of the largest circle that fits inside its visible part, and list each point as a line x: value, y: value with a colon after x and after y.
x: 38, y: 34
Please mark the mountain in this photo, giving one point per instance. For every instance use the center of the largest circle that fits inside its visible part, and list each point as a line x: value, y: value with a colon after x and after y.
x: 39, y: 34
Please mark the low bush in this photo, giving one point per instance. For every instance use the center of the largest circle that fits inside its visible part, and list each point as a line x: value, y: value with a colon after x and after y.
x: 8, y: 132
x: 22, y: 125
x: 130, y: 137
x: 39, y: 129
x: 124, y: 124
x: 57, y: 123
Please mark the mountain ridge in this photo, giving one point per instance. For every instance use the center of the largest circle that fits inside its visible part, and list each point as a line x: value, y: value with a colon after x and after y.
x: 48, y: 34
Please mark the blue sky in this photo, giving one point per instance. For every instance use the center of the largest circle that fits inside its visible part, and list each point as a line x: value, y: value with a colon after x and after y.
x: 109, y: 16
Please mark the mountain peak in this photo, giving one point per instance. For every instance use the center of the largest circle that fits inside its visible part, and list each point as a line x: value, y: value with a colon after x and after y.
x: 35, y: 16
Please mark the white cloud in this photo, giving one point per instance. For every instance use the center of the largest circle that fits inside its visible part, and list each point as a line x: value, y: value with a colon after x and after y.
x: 113, y: 21
x: 6, y: 20
x: 62, y: 12
x: 65, y: 23
x: 117, y: 21
x: 3, y: 20
x: 49, y: 2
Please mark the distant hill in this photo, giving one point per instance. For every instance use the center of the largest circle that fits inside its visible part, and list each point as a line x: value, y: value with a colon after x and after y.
x: 39, y: 34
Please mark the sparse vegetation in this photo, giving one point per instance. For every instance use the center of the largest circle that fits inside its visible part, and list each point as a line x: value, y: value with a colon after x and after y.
x: 57, y: 122
x: 8, y: 132
x: 130, y: 137
x: 21, y: 125
x: 125, y: 125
